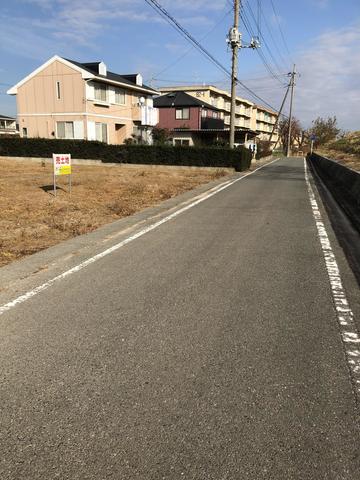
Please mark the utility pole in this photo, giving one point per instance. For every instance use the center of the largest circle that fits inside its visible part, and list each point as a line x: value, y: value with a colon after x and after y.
x: 235, y: 43
x: 278, y: 117
x: 292, y: 85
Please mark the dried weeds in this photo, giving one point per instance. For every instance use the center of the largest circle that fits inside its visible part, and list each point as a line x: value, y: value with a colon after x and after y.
x: 32, y: 219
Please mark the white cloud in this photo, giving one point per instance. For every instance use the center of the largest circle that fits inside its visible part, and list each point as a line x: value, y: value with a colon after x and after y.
x: 321, y: 3
x: 329, y: 82
x: 61, y: 21
x: 276, y: 19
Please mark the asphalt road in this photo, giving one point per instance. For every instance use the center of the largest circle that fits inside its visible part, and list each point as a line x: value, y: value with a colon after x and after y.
x: 206, y: 349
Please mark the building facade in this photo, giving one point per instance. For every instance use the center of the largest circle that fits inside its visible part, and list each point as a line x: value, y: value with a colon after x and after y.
x: 221, y: 100
x: 8, y: 125
x: 192, y: 121
x: 247, y: 114
x: 72, y: 100
x: 263, y: 121
x: 187, y: 117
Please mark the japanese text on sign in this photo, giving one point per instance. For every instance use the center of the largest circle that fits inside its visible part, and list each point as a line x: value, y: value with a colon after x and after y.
x: 62, y: 164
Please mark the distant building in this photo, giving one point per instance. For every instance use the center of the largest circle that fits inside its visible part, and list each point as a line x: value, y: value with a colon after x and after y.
x: 263, y: 121
x: 8, y: 125
x: 191, y: 120
x: 67, y: 99
x: 247, y: 114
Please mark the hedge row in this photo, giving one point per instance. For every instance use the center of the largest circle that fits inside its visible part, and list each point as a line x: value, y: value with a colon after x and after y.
x: 239, y: 158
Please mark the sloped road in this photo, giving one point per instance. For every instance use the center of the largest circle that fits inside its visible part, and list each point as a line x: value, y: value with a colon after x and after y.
x: 206, y: 349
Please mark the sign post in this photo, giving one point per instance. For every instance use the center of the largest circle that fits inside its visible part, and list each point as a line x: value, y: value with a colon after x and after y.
x: 62, y: 166
x: 312, y: 138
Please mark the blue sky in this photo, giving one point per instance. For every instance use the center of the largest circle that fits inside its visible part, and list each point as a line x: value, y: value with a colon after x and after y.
x: 322, y: 36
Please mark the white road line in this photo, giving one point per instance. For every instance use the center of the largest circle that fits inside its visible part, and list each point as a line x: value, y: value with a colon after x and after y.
x: 31, y: 293
x: 345, y: 317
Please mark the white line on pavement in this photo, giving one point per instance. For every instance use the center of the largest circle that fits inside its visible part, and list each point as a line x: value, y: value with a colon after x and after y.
x: 31, y: 293
x: 345, y: 317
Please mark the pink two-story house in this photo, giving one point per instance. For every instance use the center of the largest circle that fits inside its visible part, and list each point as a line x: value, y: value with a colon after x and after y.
x: 188, y: 119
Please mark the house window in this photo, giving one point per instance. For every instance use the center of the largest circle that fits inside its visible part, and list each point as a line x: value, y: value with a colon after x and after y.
x: 215, y: 115
x: 178, y: 142
x: 101, y: 132
x: 182, y: 114
x: 24, y: 132
x: 65, y: 129
x: 119, y: 96
x: 100, y: 92
x: 58, y: 92
x: 204, y: 113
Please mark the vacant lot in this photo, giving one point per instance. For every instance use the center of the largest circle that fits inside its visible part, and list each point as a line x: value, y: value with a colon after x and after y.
x: 32, y: 219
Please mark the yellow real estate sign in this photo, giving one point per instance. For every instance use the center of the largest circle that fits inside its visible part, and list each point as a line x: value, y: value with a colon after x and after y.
x: 62, y: 164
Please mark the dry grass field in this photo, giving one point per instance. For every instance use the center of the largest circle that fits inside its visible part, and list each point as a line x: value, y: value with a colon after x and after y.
x: 32, y: 219
x: 347, y: 159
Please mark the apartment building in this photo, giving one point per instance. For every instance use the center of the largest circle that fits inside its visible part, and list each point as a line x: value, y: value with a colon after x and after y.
x: 263, y: 121
x: 7, y: 125
x: 67, y: 99
x: 248, y: 115
x: 221, y: 100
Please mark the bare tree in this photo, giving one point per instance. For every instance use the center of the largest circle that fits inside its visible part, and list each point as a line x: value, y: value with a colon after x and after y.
x: 324, y: 129
x: 298, y: 135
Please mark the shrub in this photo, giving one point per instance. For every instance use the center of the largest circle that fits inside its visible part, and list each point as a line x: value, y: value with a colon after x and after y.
x: 263, y: 149
x: 238, y: 158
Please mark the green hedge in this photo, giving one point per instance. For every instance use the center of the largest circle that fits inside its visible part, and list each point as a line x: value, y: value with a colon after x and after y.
x: 239, y: 158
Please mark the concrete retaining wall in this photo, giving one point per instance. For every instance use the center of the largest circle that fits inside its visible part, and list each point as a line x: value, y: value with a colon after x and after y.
x: 343, y: 183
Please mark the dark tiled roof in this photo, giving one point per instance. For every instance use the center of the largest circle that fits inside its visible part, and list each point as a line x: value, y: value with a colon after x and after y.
x: 115, y: 77
x: 4, y: 117
x: 180, y: 99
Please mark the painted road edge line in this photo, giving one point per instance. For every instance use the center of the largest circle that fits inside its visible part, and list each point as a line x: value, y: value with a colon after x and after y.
x: 345, y: 317
x: 31, y: 293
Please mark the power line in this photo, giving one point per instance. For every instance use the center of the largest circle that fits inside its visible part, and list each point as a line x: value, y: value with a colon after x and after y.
x: 249, y: 29
x: 221, y: 80
x: 281, y: 31
x: 269, y: 29
x: 190, y: 49
x: 261, y: 35
x: 177, y: 26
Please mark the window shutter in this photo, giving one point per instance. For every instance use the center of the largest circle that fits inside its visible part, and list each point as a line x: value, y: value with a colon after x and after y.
x: 69, y: 130
x: 79, y: 129
x: 90, y: 91
x: 104, y: 132
x: 111, y: 93
x: 60, y: 129
x: 91, y: 134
